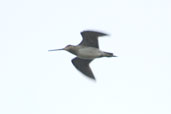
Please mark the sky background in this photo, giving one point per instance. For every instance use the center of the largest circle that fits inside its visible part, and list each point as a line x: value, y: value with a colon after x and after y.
x: 35, y: 81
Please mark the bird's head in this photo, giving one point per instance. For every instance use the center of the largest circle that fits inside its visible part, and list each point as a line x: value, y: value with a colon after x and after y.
x: 68, y: 47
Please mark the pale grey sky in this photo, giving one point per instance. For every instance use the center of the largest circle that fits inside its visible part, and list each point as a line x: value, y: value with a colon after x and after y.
x: 34, y: 81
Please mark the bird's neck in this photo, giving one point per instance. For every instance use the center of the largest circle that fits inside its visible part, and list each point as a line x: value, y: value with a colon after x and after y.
x: 73, y: 50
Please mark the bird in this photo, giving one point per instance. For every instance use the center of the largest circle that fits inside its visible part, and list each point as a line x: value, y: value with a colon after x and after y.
x: 86, y: 51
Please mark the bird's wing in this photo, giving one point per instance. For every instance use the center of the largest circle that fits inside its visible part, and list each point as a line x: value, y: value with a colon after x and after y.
x: 90, y: 38
x: 83, y: 66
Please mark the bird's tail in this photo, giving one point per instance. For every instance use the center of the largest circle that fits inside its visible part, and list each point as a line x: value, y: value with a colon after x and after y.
x: 107, y: 54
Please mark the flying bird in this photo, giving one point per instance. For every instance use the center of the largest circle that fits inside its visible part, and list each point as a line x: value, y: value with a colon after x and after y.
x: 86, y: 52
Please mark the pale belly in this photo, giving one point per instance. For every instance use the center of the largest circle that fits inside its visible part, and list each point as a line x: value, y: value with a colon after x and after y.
x: 89, y: 53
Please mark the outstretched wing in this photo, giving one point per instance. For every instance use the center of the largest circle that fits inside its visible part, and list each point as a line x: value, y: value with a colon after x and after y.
x: 90, y: 38
x: 83, y: 66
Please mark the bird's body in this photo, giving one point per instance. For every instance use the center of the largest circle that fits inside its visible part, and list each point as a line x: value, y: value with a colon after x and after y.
x: 89, y: 53
x: 86, y: 51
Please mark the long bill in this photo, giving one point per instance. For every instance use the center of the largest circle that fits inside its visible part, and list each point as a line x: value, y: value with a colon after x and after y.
x: 56, y: 49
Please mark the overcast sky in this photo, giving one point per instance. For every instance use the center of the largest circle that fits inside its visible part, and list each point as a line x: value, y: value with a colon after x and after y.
x: 35, y: 81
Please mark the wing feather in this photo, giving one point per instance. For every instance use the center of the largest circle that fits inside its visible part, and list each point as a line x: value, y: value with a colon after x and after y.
x: 83, y: 66
x: 90, y: 38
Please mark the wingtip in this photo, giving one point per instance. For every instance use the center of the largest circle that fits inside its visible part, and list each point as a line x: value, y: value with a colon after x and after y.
x: 91, y: 78
x: 98, y: 33
x: 94, y: 79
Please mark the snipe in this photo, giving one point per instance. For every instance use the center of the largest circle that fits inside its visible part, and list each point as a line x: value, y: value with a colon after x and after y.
x: 86, y: 51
